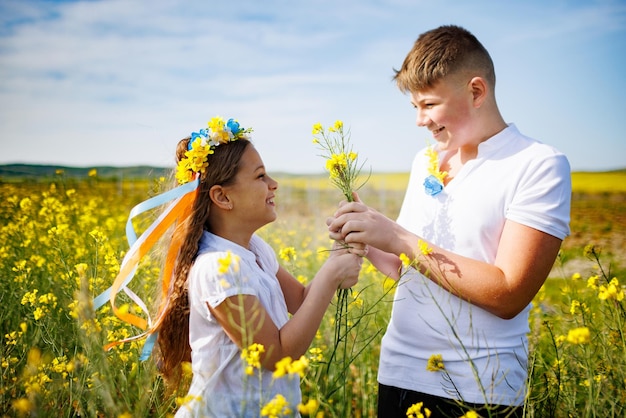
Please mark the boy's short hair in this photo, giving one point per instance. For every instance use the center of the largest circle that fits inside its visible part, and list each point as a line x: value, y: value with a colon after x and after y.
x: 441, y: 52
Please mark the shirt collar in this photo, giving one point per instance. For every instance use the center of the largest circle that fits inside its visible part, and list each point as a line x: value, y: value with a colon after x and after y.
x: 211, y: 242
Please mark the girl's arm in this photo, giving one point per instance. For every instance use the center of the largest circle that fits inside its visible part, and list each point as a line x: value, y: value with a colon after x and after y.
x: 246, y: 321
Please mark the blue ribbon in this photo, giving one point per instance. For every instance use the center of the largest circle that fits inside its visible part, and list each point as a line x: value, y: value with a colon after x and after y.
x: 133, y: 240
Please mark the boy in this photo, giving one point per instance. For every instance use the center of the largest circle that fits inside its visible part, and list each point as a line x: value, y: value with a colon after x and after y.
x: 482, y: 222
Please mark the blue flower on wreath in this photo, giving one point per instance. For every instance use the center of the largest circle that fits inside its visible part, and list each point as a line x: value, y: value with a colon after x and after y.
x: 432, y: 185
x: 233, y: 126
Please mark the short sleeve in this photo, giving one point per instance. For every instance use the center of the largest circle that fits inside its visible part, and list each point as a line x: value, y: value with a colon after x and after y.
x: 543, y: 198
x: 208, y: 283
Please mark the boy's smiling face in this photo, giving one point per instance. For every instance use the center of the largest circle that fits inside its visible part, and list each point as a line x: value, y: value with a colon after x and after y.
x: 447, y: 111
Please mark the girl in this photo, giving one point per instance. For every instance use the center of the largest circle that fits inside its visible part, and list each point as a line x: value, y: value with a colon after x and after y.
x: 228, y: 290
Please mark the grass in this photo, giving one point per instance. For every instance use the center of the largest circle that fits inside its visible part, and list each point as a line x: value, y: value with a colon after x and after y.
x: 61, y: 244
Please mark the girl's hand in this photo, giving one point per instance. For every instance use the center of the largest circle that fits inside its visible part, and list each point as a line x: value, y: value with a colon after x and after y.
x: 343, y: 267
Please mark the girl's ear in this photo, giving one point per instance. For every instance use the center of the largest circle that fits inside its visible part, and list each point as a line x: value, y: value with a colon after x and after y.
x: 480, y: 89
x: 219, y: 197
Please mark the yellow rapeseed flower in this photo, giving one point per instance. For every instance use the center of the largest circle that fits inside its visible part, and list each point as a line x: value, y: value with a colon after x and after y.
x: 317, y: 355
x: 435, y: 363
x: 308, y: 408
x: 611, y: 291
x: 287, y: 365
x: 276, y: 408
x: 592, y: 282
x: 230, y: 260
x: 252, y: 357
x: 471, y: 414
x: 23, y: 406
x: 423, y: 247
x: 406, y: 261
x: 416, y: 411
x: 287, y: 254
x: 317, y: 128
x: 579, y: 335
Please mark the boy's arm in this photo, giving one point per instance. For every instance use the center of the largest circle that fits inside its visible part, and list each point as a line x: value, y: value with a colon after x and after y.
x: 523, y: 261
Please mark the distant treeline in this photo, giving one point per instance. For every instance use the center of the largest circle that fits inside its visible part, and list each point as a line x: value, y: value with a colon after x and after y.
x: 33, y: 172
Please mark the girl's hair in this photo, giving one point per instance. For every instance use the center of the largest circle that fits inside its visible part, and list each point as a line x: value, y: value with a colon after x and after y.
x: 173, y: 333
x: 441, y: 52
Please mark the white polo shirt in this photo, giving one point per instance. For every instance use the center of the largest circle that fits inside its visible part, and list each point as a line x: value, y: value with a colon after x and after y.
x: 513, y: 177
x: 220, y: 386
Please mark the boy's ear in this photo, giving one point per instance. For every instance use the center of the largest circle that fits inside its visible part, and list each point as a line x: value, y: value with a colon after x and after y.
x: 219, y: 197
x: 480, y: 90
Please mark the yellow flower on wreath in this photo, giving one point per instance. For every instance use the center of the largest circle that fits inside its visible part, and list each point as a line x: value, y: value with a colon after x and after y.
x: 203, y: 143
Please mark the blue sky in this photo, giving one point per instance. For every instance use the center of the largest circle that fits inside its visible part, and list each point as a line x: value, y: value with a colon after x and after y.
x: 119, y: 82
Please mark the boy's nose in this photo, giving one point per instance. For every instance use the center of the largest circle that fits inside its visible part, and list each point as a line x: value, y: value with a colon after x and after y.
x: 422, y: 118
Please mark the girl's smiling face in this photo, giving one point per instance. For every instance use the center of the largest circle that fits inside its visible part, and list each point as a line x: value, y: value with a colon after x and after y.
x: 253, y: 191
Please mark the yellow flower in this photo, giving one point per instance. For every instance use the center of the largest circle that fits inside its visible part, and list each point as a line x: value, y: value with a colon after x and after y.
x: 574, y: 305
x: 23, y: 406
x: 423, y: 247
x: 435, y: 363
x: 288, y: 366
x: 433, y: 164
x: 276, y: 407
x: 228, y: 261
x: 308, y: 408
x: 592, y: 282
x: 471, y: 414
x: 611, y: 291
x: 336, y: 164
x: 93, y: 172
x: 317, y: 128
x: 282, y: 367
x: 287, y: 254
x: 299, y: 366
x: 316, y: 354
x: 183, y: 172
x: 252, y: 355
x: 406, y: 261
x: 579, y: 335
x: 589, y: 250
x: 197, y: 156
x: 415, y: 411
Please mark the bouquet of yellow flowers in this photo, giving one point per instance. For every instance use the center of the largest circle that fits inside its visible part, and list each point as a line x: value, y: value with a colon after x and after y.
x: 344, y: 170
x: 341, y: 162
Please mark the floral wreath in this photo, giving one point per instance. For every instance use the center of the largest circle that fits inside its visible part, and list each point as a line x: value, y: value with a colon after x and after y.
x: 179, y: 202
x: 203, y: 143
